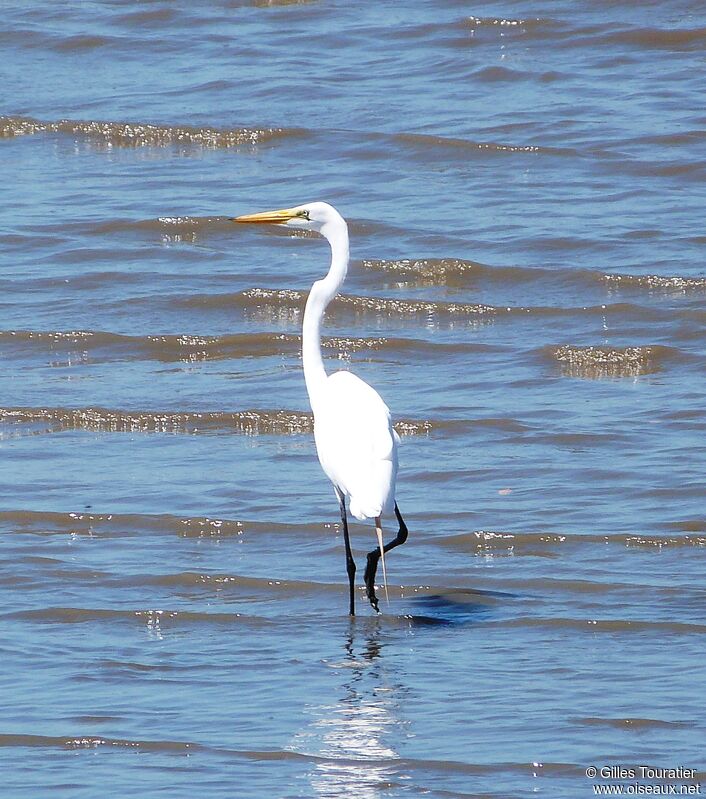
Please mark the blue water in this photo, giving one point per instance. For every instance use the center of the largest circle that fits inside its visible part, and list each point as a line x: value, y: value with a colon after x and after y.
x: 524, y: 186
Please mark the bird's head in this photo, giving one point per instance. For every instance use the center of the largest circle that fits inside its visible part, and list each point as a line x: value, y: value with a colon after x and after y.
x: 310, y: 216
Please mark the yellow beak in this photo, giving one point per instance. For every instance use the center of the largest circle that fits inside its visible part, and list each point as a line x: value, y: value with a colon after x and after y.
x: 274, y: 217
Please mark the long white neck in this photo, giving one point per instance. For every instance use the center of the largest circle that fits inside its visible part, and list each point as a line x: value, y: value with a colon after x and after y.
x: 321, y: 294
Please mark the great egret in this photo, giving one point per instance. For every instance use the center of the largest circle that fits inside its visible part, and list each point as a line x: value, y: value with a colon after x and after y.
x: 355, y: 440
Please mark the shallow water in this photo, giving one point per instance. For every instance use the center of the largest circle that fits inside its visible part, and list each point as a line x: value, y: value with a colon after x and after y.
x: 524, y: 185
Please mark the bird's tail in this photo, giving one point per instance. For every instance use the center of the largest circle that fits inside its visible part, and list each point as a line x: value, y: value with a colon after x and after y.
x: 378, y: 531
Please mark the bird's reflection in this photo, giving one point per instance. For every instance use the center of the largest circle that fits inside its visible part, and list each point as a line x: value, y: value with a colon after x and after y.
x: 354, y: 738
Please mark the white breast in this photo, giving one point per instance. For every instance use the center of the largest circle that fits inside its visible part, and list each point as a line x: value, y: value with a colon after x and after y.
x: 356, y: 443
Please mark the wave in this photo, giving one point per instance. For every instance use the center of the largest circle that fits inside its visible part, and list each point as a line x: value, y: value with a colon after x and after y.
x: 499, y: 74
x: 508, y: 23
x: 140, y: 134
x: 295, y: 300
x: 151, y: 617
x: 164, y: 746
x: 186, y: 228
x: 143, y: 134
x: 158, y: 618
x: 94, y: 742
x: 189, y: 347
x: 250, y: 422
x: 183, y: 346
x: 632, y: 723
x: 689, y: 525
x: 439, y: 597
x: 241, y: 582
x: 687, y: 138
x: 456, y: 272
x: 657, y: 38
x: 463, y: 271
x: 657, y: 282
x: 140, y: 19
x: 427, y: 141
x: 289, y: 303
x: 690, y: 171
x: 253, y: 422
x: 189, y: 228
x: 602, y: 362
x: 37, y: 39
x: 71, y: 44
x: 606, y: 625
x: 407, y: 765
x: 274, y: 3
x: 128, y: 524
x: 579, y: 36
x: 176, y: 228
x: 436, y: 267
x: 490, y: 542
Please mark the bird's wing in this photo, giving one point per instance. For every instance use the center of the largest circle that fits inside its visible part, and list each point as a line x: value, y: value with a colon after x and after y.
x: 356, y: 443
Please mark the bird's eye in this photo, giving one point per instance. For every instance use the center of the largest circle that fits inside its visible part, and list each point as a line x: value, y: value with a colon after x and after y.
x: 304, y: 214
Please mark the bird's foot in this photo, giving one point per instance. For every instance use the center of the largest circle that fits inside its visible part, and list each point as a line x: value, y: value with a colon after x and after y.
x: 373, y: 601
x: 370, y: 569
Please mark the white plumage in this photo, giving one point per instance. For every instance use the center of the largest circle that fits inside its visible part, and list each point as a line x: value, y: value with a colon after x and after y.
x: 357, y: 444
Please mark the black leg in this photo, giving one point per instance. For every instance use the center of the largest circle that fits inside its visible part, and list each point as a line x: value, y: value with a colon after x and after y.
x: 371, y: 566
x: 350, y: 563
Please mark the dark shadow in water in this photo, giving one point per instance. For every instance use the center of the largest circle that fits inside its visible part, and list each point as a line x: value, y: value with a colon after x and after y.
x: 455, y: 606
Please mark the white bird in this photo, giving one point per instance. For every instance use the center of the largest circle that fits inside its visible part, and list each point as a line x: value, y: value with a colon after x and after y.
x: 355, y: 440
